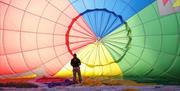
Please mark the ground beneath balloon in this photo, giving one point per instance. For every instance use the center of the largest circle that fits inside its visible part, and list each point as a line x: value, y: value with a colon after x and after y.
x: 88, y: 84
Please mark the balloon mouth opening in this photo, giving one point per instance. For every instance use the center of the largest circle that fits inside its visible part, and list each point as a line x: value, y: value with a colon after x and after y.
x: 114, y: 22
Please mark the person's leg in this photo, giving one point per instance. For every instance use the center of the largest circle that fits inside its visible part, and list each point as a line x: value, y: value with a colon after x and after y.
x: 74, y: 75
x: 79, y: 75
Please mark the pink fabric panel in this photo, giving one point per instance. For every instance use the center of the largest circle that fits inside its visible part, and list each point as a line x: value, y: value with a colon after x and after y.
x: 51, y: 12
x: 28, y: 41
x: 32, y: 59
x: 30, y: 23
x: 4, y: 66
x: 60, y: 4
x: 17, y: 63
x: 12, y: 41
x: 47, y: 54
x: 53, y: 66
x: 37, y: 6
x: 21, y: 4
x: 13, y: 19
x: 44, y: 40
x: 46, y: 26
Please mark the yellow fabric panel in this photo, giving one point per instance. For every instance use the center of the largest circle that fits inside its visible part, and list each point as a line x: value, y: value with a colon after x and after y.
x: 96, y: 61
x: 28, y: 76
x: 177, y: 3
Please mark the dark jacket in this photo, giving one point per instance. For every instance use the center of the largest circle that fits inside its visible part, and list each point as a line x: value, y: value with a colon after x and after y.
x: 75, y: 62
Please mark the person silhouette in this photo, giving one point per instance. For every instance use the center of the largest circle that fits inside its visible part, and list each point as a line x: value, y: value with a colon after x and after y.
x: 75, y: 63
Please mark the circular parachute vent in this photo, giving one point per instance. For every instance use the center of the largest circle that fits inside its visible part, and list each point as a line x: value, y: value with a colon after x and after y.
x: 123, y: 38
x: 95, y: 45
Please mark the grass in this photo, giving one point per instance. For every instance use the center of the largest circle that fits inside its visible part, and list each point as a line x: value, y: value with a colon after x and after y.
x: 17, y: 82
x: 19, y: 85
x: 87, y: 81
x: 130, y: 89
x: 109, y: 82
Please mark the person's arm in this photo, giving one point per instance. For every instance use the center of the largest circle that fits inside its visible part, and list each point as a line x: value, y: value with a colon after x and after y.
x: 79, y: 62
x: 71, y: 62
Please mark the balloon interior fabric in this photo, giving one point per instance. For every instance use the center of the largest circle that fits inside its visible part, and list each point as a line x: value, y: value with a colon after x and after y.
x: 122, y: 38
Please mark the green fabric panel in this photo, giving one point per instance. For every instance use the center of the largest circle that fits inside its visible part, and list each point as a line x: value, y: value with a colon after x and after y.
x: 162, y: 64
x: 178, y: 18
x: 134, y: 21
x: 175, y: 71
x: 153, y: 28
x: 150, y: 56
x: 155, y: 47
x: 131, y: 59
x: 153, y: 42
x: 148, y: 14
x: 114, y: 51
x: 137, y: 31
x: 179, y: 50
x: 139, y: 41
x: 170, y: 23
x: 117, y: 42
x: 140, y: 69
x: 170, y: 44
x: 136, y: 50
x: 124, y: 65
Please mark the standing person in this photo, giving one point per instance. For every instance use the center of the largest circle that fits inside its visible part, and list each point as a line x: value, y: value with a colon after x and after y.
x: 75, y: 63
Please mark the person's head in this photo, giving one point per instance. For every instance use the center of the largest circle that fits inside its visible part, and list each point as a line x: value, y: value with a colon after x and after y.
x: 75, y: 55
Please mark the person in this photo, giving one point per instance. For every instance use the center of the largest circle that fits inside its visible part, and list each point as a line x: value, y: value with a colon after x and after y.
x: 75, y: 63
